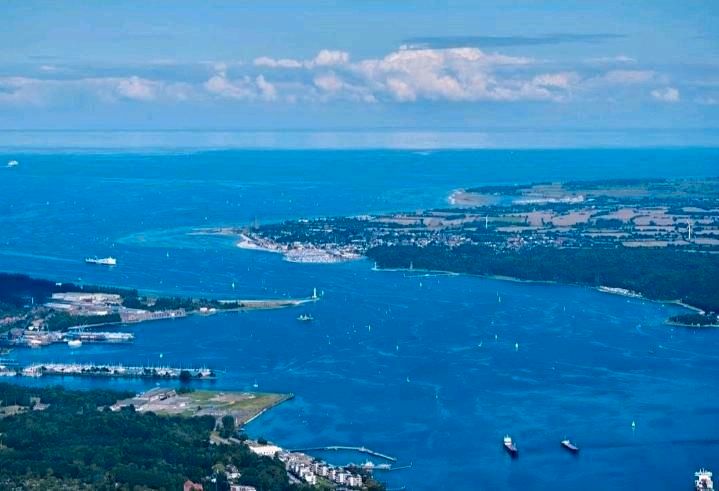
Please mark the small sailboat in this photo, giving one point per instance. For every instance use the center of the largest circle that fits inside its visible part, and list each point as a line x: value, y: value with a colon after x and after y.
x: 509, y: 446
x: 566, y: 443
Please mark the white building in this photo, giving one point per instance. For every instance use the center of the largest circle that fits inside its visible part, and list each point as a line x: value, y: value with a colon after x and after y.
x: 265, y: 450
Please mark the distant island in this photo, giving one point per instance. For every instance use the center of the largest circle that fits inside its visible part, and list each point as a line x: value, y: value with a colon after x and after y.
x: 36, y: 312
x: 657, y: 238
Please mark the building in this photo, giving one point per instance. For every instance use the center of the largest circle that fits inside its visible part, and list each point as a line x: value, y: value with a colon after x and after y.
x: 265, y: 450
x: 191, y: 486
x: 238, y: 487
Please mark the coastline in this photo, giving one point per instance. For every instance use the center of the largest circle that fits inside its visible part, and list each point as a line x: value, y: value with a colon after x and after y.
x: 305, y: 255
x: 600, y: 288
x: 285, y: 398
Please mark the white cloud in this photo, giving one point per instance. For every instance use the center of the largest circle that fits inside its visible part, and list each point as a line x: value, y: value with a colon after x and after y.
x: 48, y: 92
x: 137, y: 88
x: 328, y: 57
x: 667, y: 94
x: 243, y: 88
x: 613, y: 59
x: 329, y: 82
x: 325, y: 58
x: 627, y: 77
x: 267, y: 90
x: 562, y: 80
x: 403, y: 76
x: 281, y: 63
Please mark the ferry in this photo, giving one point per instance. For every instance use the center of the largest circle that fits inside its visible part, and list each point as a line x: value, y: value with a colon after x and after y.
x: 106, y: 261
x: 703, y: 480
x: 566, y: 443
x: 510, y: 447
x: 305, y: 318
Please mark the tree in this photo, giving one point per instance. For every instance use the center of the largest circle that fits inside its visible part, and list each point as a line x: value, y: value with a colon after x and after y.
x: 228, y: 425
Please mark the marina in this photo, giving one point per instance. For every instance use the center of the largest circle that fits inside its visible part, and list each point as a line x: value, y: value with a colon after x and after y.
x: 38, y: 338
x: 115, y: 371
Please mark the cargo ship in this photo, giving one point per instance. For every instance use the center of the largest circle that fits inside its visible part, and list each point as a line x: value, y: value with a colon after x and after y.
x: 510, y: 447
x: 566, y: 443
x: 703, y: 480
x: 106, y: 261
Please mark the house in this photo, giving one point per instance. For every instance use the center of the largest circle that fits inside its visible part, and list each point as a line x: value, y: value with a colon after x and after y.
x: 191, y: 486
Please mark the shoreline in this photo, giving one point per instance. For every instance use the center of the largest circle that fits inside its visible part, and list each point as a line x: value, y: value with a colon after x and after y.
x: 513, y: 279
x: 282, y: 400
x: 304, y: 255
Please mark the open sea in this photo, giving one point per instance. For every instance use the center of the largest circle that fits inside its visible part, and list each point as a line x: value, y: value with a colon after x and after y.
x: 432, y: 369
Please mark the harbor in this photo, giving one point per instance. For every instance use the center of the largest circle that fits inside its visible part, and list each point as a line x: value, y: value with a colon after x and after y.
x: 112, y: 371
x: 74, y: 338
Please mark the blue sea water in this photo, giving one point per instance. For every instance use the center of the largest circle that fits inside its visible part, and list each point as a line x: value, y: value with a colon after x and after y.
x: 432, y: 369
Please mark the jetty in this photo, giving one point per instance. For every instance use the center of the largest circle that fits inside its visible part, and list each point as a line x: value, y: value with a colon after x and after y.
x: 364, y: 450
x: 116, y: 371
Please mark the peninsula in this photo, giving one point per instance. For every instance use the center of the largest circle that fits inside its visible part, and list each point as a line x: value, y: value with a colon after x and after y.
x: 653, y: 238
x: 35, y: 312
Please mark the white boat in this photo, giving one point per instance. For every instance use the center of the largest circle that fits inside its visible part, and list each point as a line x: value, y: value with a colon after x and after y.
x: 13, y: 163
x: 703, y: 480
x: 74, y: 343
x: 305, y: 318
x: 509, y: 446
x: 106, y: 261
x: 566, y: 443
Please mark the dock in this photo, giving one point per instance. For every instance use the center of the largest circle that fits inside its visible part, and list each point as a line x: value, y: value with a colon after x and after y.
x: 363, y: 450
x: 115, y: 371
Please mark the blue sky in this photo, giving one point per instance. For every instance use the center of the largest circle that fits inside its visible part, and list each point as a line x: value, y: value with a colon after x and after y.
x: 360, y: 65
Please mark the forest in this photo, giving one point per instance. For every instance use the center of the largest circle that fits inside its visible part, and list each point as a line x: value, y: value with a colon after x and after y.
x: 656, y: 273
x: 77, y: 443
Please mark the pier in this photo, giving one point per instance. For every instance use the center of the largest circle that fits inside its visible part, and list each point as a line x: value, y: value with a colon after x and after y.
x: 115, y: 371
x: 364, y: 450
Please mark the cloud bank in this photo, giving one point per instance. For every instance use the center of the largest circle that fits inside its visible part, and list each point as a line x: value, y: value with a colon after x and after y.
x: 404, y: 76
